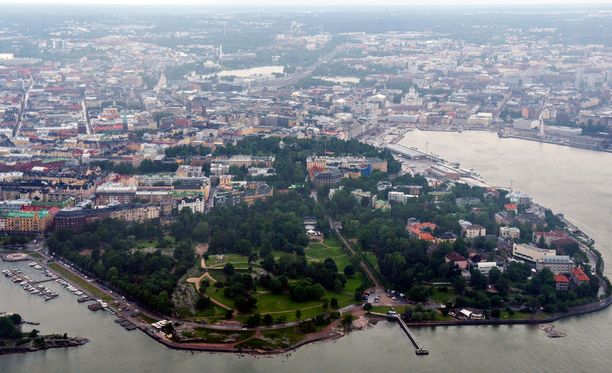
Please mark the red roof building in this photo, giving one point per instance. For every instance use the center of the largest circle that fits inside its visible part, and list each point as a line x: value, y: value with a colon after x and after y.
x: 579, y: 277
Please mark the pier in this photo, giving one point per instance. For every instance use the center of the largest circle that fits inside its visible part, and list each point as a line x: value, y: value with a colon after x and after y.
x: 419, y: 349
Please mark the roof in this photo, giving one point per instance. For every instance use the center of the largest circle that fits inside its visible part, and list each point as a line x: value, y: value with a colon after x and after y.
x: 579, y: 274
x: 561, y: 278
x: 455, y: 257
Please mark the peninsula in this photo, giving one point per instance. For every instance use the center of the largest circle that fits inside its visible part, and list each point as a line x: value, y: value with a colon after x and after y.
x: 322, y: 242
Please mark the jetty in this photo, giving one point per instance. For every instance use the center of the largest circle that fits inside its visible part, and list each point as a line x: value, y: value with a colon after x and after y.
x: 419, y: 349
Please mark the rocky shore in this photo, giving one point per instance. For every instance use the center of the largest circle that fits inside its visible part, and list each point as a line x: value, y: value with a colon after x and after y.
x: 48, y: 343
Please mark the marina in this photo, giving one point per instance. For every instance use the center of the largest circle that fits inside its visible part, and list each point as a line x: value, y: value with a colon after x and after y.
x: 30, y: 286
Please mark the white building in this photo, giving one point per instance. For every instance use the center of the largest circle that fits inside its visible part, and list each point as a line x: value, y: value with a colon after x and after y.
x: 399, y: 197
x: 530, y: 253
x: 486, y: 267
x: 196, y: 205
x: 481, y: 119
x: 510, y: 232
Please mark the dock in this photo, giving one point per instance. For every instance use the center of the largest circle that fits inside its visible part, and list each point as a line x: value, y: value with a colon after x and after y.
x: 419, y: 349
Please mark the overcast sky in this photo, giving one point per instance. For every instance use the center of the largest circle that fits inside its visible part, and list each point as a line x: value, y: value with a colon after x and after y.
x: 312, y: 2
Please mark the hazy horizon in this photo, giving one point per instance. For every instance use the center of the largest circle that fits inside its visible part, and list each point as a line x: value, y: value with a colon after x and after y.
x: 312, y: 3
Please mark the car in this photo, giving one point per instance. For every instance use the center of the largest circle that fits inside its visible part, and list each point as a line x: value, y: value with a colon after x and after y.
x: 394, y: 298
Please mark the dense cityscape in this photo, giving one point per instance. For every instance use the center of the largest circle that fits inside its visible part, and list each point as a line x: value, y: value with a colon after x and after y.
x: 237, y: 181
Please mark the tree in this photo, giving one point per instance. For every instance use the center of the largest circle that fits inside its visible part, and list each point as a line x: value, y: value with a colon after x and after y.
x: 229, y: 269
x: 254, y: 320
x: 347, y: 320
x: 267, y: 319
x: 494, y: 275
x: 333, y: 302
x: 349, y: 270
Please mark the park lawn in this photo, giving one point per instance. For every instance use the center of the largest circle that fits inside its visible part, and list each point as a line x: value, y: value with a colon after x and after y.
x: 320, y: 252
x: 443, y: 297
x: 372, y: 260
x: 142, y: 244
x: 278, y: 253
x: 219, y: 296
x: 211, y: 314
x: 332, y: 241
x: 258, y: 344
x: 281, y: 305
x: 273, y: 339
x: 237, y: 260
x: 219, y: 336
x: 79, y: 282
x: 287, y: 337
x: 217, y: 274
x: 518, y: 315
x: 147, y: 319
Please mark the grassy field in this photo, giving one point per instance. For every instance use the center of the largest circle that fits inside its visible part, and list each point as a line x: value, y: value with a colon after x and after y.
x: 273, y: 339
x: 278, y: 305
x: 217, y: 294
x: 328, y: 249
x: 142, y: 244
x: 504, y: 315
x: 79, y: 282
x: 147, y: 319
x: 239, y: 261
x: 218, y: 336
x: 443, y: 297
x: 211, y: 314
x: 371, y: 258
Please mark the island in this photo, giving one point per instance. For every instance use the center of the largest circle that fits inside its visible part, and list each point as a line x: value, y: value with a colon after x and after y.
x: 13, y: 340
x: 304, y: 239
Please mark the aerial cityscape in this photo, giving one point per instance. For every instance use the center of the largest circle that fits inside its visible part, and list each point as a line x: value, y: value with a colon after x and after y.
x: 316, y: 187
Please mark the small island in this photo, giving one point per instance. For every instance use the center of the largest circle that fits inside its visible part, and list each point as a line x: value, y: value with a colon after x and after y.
x: 14, y: 340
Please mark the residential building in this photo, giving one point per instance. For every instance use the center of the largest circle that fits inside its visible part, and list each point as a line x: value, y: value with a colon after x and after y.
x: 197, y: 204
x: 561, y: 282
x: 456, y: 259
x: 510, y: 232
x: 556, y: 263
x: 579, y: 277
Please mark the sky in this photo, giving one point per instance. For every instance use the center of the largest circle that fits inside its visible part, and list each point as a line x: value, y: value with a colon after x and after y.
x: 312, y: 3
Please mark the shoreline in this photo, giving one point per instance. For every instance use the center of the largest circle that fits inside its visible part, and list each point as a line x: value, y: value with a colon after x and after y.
x: 372, y: 320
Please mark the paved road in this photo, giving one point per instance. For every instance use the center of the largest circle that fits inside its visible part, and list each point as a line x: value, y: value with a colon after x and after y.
x: 22, y: 109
